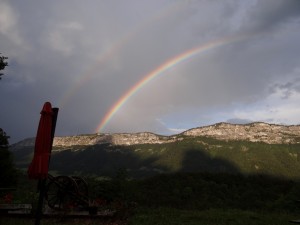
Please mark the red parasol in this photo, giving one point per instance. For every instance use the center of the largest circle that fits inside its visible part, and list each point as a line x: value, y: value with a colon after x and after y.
x: 38, y: 169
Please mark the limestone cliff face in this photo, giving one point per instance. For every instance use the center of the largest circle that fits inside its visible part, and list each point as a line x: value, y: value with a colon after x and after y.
x: 114, y: 139
x: 254, y: 132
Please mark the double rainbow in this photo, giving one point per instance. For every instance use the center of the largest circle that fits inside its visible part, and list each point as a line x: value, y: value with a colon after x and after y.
x: 159, y: 71
x: 117, y: 45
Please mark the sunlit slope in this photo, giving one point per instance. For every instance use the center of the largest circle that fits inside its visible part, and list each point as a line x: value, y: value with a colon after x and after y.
x: 188, y: 154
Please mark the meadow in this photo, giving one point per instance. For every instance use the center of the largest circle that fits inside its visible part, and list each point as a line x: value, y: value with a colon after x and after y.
x: 186, y: 198
x: 171, y: 216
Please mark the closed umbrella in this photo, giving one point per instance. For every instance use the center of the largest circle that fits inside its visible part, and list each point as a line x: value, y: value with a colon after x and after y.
x: 38, y: 169
x: 39, y: 166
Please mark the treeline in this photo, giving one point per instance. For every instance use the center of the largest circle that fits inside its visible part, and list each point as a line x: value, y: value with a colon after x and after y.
x: 192, y: 154
x: 189, y: 191
x: 203, y: 191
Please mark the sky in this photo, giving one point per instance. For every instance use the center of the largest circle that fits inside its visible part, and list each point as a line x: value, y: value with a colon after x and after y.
x: 162, y: 66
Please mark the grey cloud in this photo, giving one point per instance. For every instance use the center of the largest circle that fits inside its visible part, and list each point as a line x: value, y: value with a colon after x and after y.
x: 84, y: 58
x: 269, y: 14
x: 286, y: 88
x: 239, y: 121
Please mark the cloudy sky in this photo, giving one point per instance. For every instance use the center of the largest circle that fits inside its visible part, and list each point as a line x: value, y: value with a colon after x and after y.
x: 209, y: 61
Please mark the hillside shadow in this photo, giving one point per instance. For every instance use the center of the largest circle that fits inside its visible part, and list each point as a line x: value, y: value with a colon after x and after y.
x: 105, y: 160
x: 198, y: 161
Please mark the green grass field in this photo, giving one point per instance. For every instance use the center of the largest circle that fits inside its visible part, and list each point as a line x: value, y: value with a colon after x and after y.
x: 169, y: 216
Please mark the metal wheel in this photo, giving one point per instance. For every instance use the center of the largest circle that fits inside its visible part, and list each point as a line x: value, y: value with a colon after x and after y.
x: 60, y: 191
x: 82, y: 186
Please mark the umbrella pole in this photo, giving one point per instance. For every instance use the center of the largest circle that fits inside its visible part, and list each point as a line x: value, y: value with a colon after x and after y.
x: 54, y: 119
x: 39, y: 210
x: 42, y: 182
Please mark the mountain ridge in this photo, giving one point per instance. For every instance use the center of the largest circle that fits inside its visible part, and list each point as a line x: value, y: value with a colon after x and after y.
x: 253, y: 132
x: 255, y: 148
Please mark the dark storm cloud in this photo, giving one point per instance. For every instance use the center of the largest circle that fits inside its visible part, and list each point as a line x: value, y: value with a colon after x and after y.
x: 269, y: 14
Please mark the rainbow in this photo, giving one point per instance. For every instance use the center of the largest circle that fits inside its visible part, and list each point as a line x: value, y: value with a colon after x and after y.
x: 109, y: 53
x: 159, y: 71
x: 116, y: 46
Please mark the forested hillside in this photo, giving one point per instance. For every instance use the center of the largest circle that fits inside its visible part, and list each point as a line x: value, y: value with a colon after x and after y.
x: 190, y: 154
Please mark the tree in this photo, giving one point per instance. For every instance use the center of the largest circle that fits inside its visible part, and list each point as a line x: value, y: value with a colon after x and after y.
x: 3, y: 139
x: 7, y: 168
x: 3, y: 64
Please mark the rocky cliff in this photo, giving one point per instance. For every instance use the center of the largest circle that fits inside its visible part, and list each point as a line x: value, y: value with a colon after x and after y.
x: 114, y: 139
x: 253, y: 132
